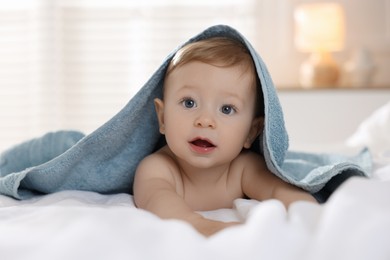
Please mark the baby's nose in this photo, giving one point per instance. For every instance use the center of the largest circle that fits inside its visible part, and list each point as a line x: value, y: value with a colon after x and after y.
x: 205, y: 120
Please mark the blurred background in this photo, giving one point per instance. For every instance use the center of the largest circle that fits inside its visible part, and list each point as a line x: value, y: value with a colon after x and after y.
x: 73, y: 64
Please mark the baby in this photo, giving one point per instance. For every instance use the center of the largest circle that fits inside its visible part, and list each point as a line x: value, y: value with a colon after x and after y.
x: 210, y: 114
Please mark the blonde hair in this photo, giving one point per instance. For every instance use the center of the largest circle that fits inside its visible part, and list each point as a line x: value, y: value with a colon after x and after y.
x: 217, y: 51
x: 220, y: 52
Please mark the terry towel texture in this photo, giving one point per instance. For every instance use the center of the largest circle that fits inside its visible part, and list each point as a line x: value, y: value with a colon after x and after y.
x: 105, y: 160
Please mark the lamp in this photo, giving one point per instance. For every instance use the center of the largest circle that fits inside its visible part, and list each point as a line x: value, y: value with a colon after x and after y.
x: 319, y: 29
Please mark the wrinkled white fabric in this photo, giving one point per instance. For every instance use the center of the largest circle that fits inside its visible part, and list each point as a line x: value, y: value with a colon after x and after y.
x: 353, y: 224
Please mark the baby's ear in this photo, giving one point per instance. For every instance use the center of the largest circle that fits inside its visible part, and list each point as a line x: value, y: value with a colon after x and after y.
x: 159, y: 106
x: 256, y: 127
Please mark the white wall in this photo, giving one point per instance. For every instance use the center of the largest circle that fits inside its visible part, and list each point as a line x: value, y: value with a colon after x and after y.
x: 322, y: 120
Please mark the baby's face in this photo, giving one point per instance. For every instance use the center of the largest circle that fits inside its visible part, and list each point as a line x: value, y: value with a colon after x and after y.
x: 208, y: 112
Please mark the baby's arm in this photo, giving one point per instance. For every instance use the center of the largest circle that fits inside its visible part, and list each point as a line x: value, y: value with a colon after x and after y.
x: 259, y: 183
x: 154, y: 190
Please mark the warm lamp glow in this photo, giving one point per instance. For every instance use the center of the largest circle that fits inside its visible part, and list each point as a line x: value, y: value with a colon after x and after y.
x: 319, y: 29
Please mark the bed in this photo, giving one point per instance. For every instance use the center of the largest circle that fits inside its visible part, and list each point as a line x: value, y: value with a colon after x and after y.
x: 353, y: 224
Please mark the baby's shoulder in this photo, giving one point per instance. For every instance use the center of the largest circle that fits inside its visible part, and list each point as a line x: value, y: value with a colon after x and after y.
x: 250, y: 159
x: 164, y: 154
x: 160, y: 162
x: 158, y: 165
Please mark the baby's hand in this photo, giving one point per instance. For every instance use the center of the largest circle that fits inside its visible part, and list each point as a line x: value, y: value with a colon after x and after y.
x: 209, y: 227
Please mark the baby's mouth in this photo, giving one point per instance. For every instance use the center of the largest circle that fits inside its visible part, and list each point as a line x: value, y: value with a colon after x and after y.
x: 203, y: 143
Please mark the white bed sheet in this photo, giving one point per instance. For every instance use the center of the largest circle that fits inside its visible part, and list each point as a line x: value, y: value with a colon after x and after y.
x: 353, y: 224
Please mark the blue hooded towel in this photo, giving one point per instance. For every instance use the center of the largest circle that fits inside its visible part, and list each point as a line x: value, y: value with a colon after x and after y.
x: 105, y: 160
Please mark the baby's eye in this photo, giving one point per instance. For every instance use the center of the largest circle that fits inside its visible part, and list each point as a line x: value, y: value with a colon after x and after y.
x: 228, y: 109
x: 188, y: 103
